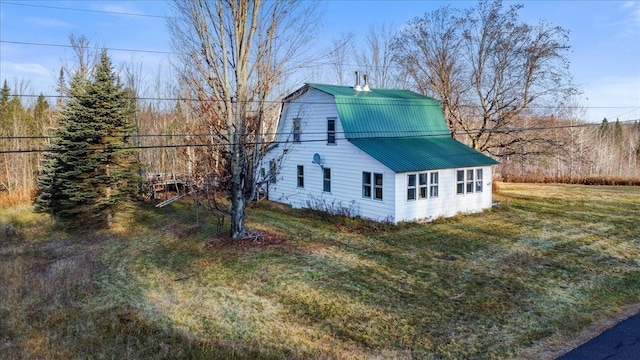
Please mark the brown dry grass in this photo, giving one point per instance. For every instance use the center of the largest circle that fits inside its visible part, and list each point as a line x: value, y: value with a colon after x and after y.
x: 522, y: 280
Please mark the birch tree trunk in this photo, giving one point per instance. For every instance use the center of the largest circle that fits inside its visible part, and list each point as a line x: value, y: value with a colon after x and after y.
x: 234, y: 54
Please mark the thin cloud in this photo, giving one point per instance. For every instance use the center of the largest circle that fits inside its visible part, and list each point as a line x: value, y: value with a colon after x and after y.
x: 630, y: 19
x: 116, y: 8
x: 50, y: 23
x: 29, y: 68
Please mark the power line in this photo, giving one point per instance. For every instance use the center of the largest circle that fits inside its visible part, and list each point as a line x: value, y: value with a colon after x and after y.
x: 383, y: 102
x: 87, y: 10
x: 259, y: 143
x: 91, y: 47
x: 374, y: 134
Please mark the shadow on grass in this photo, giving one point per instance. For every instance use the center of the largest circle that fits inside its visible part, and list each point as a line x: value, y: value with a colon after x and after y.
x: 486, y: 285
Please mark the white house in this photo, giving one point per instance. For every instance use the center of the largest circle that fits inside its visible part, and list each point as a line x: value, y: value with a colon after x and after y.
x: 381, y: 154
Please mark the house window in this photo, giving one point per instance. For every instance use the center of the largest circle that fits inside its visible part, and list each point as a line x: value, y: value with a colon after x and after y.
x: 377, y: 185
x: 433, y: 187
x: 422, y: 185
x: 478, y: 180
x: 460, y: 182
x: 326, y: 180
x: 331, y: 131
x: 272, y: 171
x: 411, y: 187
x: 300, y: 176
x: 422, y: 182
x: 366, y: 184
x: 469, y: 181
x: 372, y: 188
x: 296, y: 130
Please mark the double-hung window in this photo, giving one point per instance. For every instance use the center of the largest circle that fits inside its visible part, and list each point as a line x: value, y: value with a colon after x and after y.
x: 326, y: 180
x: 469, y: 181
x: 422, y: 185
x: 297, y: 132
x: 478, y: 180
x: 366, y: 184
x: 411, y: 187
x: 300, y: 176
x: 372, y: 184
x: 433, y: 185
x: 377, y: 186
x: 331, y: 131
x: 460, y: 182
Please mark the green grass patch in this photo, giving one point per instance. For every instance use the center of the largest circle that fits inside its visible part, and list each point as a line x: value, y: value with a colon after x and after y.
x: 546, y: 263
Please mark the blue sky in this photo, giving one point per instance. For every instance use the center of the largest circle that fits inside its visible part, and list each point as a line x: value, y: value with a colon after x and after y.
x: 604, y: 36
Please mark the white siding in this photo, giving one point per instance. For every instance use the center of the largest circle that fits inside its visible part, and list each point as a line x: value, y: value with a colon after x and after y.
x: 448, y: 203
x: 346, y: 162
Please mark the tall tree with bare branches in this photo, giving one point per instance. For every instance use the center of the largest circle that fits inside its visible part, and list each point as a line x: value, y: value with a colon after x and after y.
x: 375, y: 58
x: 490, y: 70
x: 235, y: 54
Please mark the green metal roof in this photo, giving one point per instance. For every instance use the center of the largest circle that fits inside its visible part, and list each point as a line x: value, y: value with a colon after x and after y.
x: 402, y: 129
x: 422, y: 153
x: 386, y: 112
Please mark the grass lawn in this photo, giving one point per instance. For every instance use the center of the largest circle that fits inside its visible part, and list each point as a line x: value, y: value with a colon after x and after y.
x: 517, y: 281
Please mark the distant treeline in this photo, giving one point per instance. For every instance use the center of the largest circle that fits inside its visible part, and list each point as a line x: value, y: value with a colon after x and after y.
x: 172, y: 137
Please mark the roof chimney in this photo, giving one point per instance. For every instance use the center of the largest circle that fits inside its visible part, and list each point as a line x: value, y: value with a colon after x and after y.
x: 365, y: 86
x: 357, y: 86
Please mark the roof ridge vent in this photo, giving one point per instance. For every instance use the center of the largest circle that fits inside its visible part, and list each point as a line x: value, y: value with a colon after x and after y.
x: 357, y: 86
x: 366, y: 87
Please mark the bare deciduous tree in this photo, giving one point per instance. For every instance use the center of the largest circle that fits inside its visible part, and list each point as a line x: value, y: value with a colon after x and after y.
x: 235, y: 53
x: 490, y: 70
x: 340, y: 55
x: 375, y: 58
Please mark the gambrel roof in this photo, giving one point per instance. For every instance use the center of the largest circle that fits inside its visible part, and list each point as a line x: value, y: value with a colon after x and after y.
x: 401, y: 129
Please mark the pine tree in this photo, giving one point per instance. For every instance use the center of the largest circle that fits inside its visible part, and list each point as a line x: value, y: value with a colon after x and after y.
x: 617, y: 133
x: 41, y: 114
x: 90, y: 169
x: 604, y: 127
x: 4, y: 109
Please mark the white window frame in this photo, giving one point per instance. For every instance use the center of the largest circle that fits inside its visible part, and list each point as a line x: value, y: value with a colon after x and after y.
x: 479, y: 177
x: 378, y: 187
x: 434, y: 186
x: 326, y: 181
x: 367, y: 184
x: 425, y: 185
x: 471, y: 182
x: 300, y: 176
x: 412, y: 190
x: 371, y: 185
x: 331, y: 134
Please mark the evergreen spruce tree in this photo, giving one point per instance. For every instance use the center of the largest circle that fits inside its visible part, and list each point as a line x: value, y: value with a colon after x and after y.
x: 90, y: 168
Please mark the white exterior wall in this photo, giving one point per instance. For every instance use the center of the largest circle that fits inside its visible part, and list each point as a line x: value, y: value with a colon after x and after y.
x: 345, y: 160
x: 448, y: 203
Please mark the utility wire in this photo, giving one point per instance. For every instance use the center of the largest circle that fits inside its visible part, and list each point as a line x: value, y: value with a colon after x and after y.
x: 382, y: 102
x: 90, y: 47
x: 374, y: 134
x: 258, y: 143
x: 85, y: 10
